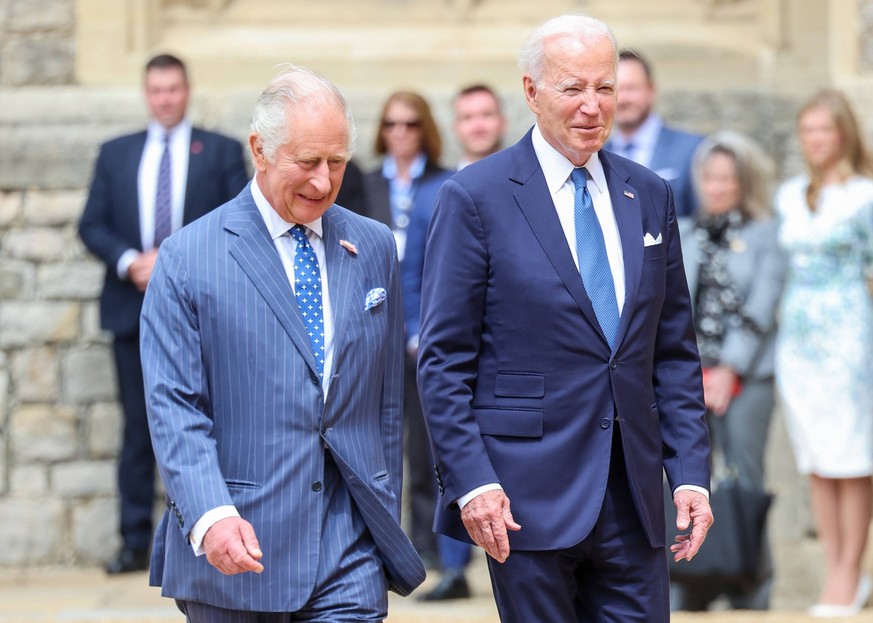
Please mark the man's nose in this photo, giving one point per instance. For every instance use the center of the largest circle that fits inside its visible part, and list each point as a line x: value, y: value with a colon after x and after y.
x: 321, y: 178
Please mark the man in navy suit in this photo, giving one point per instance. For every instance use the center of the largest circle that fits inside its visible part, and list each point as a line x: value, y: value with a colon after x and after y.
x: 145, y: 186
x: 644, y: 138
x: 558, y: 365
x: 272, y: 338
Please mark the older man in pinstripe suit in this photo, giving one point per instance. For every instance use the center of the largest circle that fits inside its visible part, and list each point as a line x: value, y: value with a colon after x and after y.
x: 272, y: 354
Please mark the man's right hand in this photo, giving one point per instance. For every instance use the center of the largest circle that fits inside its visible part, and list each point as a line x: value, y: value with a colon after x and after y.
x: 232, y: 547
x: 140, y: 269
x: 487, y: 518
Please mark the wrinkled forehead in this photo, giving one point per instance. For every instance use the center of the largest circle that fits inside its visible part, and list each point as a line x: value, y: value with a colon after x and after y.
x: 565, y: 55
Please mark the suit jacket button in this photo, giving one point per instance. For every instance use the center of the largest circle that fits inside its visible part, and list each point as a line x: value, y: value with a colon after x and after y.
x: 313, y: 377
x: 316, y: 486
x: 613, y: 365
x: 604, y: 423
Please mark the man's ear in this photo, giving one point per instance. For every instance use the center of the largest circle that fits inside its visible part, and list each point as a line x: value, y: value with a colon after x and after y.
x: 530, y: 94
x: 256, y: 148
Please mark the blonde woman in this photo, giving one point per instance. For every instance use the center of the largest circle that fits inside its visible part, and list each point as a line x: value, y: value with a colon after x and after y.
x: 825, y: 350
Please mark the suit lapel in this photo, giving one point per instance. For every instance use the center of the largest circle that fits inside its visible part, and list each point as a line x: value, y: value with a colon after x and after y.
x: 131, y: 172
x: 340, y: 277
x: 256, y: 254
x: 543, y: 220
x: 626, y: 207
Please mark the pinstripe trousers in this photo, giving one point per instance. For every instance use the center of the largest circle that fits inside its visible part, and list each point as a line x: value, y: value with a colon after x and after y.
x: 350, y: 585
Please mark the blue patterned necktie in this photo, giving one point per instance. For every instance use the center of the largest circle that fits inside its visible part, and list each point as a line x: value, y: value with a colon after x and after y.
x: 307, y: 288
x: 593, y: 261
x: 163, y: 197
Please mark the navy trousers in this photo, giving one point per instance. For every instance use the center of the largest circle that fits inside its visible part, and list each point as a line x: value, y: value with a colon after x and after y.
x: 612, y: 576
x: 136, y: 465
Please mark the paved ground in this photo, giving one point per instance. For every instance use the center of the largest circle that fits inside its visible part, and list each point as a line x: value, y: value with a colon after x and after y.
x: 89, y: 596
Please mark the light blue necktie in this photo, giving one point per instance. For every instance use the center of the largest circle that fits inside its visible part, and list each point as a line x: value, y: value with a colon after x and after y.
x: 593, y: 261
x: 307, y: 288
x: 163, y: 197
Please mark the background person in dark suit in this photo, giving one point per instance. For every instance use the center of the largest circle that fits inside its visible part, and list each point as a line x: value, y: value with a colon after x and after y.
x: 643, y: 137
x: 273, y: 354
x: 404, y: 185
x: 145, y: 186
x: 558, y: 364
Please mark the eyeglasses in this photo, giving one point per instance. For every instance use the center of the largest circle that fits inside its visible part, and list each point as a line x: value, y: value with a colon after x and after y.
x: 407, y: 125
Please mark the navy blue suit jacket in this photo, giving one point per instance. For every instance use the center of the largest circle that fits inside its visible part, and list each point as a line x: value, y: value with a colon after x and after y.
x: 110, y: 222
x: 518, y: 383
x: 238, y: 414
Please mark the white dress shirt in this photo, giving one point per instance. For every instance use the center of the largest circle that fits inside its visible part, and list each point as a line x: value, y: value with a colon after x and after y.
x: 147, y: 184
x: 286, y: 245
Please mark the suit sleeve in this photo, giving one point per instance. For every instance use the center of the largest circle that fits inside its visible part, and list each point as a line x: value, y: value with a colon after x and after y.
x: 177, y: 394
x: 392, y: 384
x: 454, y: 286
x: 677, y: 375
x: 94, y: 225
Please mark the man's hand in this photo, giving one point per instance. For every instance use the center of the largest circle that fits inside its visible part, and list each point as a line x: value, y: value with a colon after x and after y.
x: 487, y: 518
x: 140, y: 270
x: 692, y: 508
x: 718, y: 389
x: 232, y: 547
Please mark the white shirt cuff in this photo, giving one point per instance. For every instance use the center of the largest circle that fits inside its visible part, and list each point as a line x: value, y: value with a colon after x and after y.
x: 465, y: 499
x: 692, y: 488
x: 124, y: 263
x: 209, y: 519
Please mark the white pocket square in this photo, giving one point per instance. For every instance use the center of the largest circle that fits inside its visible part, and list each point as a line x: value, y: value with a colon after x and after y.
x: 375, y: 297
x: 648, y: 241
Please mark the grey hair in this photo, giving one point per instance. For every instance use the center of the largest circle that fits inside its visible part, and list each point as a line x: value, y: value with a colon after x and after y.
x: 531, y: 57
x: 754, y: 170
x: 294, y: 87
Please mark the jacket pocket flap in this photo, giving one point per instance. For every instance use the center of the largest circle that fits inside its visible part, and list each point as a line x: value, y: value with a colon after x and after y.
x: 510, y: 422
x: 520, y: 385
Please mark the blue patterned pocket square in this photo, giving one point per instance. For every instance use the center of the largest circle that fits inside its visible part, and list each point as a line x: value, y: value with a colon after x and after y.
x: 375, y: 297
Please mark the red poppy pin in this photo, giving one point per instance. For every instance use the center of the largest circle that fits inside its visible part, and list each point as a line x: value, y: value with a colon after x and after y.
x: 197, y: 147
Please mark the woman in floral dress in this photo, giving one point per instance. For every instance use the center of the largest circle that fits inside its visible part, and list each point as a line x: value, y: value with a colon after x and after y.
x: 824, y: 359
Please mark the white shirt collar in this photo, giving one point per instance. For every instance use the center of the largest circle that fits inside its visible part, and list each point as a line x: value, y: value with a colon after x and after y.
x: 557, y: 168
x: 276, y: 225
x: 156, y: 131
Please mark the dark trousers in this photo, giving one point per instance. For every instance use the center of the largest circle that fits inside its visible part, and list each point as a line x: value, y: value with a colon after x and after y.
x: 421, y: 480
x: 136, y: 466
x: 612, y: 576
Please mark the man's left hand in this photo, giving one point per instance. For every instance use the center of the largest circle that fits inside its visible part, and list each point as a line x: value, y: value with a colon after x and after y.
x: 692, y: 509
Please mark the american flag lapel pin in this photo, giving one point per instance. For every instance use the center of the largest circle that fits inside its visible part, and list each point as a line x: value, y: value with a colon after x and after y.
x: 628, y: 194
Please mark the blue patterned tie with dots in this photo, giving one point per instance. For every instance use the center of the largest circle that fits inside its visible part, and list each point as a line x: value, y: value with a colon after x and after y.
x: 307, y: 288
x: 593, y: 261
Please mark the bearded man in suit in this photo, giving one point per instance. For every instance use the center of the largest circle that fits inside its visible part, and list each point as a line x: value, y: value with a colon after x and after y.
x: 558, y: 365
x: 272, y: 343
x: 147, y: 185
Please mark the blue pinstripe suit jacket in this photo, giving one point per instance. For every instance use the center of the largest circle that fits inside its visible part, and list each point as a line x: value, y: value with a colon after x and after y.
x: 236, y: 408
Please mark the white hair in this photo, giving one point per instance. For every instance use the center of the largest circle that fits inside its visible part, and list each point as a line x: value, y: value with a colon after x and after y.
x: 531, y: 57
x: 294, y: 87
